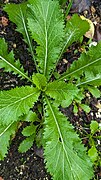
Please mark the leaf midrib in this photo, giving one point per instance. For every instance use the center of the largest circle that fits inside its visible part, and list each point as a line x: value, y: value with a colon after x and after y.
x: 28, y: 39
x: 89, y: 80
x: 59, y: 133
x: 19, y: 72
x: 81, y: 68
x: 63, y: 144
x: 19, y: 100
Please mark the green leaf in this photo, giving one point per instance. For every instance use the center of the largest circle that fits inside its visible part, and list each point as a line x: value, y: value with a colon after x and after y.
x: 29, y: 130
x: 40, y: 81
x: 65, y: 155
x: 93, y: 154
x: 5, y: 134
x: 88, y: 62
x: 8, y: 62
x: 75, y: 109
x: 75, y: 29
x: 26, y: 144
x: 91, y: 78
x: 94, y: 126
x: 46, y: 25
x: 16, y: 102
x: 61, y: 91
x: 94, y: 91
x: 85, y: 107
x: 18, y: 15
x: 79, y: 97
x: 29, y: 117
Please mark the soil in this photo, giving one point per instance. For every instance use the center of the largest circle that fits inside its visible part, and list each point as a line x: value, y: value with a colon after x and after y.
x: 30, y: 165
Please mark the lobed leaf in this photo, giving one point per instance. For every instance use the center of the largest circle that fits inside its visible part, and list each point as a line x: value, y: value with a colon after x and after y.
x: 7, y: 61
x: 29, y: 130
x: 65, y: 155
x: 18, y: 15
x: 91, y: 78
x: 26, y: 144
x: 5, y: 134
x: 75, y: 29
x: 46, y: 25
x: 29, y: 117
x: 88, y: 62
x: 95, y: 91
x: 61, y: 91
x: 16, y: 102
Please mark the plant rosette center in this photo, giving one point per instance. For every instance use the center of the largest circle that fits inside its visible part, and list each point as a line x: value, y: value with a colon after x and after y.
x: 40, y: 81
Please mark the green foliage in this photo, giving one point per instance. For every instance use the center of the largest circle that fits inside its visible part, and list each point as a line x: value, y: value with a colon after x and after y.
x: 62, y: 92
x: 6, y: 133
x: 29, y: 130
x: 89, y: 62
x: 63, y: 147
x: 29, y: 117
x: 47, y: 30
x: 16, y: 102
x: 94, y: 91
x: 40, y: 81
x: 42, y: 21
x: 93, y: 152
x: 18, y: 15
x: 8, y: 62
x: 26, y: 144
x: 85, y: 107
x: 74, y: 30
x: 94, y: 126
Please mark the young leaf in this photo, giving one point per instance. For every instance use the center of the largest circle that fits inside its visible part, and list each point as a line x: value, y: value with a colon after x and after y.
x: 7, y: 61
x: 16, y: 102
x: 5, y: 134
x: 18, y: 15
x: 94, y: 91
x: 61, y: 91
x: 94, y: 126
x: 88, y: 62
x: 85, y: 107
x: 65, y: 155
x: 75, y: 109
x: 40, y: 81
x: 29, y: 117
x: 46, y: 25
x: 26, y: 144
x: 29, y: 130
x: 93, y: 154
